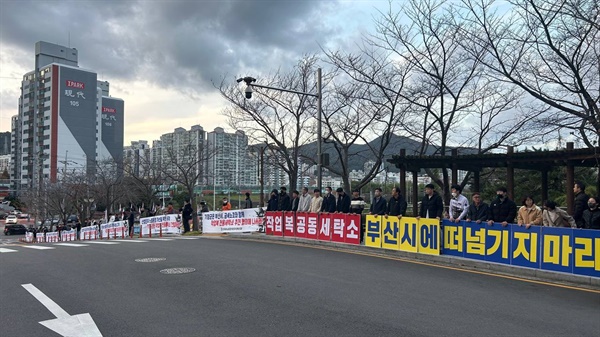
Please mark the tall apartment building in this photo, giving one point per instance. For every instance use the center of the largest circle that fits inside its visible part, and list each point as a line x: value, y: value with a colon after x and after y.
x: 180, y: 149
x: 137, y: 159
x: 66, y: 120
x: 4, y: 143
x: 227, y: 160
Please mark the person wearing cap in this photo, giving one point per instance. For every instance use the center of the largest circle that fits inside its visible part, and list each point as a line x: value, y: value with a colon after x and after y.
x: 284, y: 200
x: 342, y: 204
x: 432, y: 205
x: 502, y: 210
x: 273, y: 203
x: 459, y: 205
x: 329, y: 202
x: 316, y: 202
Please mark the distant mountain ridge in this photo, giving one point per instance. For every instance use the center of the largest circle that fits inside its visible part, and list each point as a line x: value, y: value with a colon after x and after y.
x: 359, y: 154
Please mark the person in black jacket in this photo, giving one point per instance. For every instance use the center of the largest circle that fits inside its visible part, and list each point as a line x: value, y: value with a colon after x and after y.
x: 432, y: 205
x: 502, y: 209
x: 273, y: 203
x: 396, y: 205
x: 248, y: 201
x: 342, y: 204
x: 295, y: 200
x: 478, y: 210
x: 591, y: 216
x: 581, y: 200
x: 329, y: 203
x: 186, y: 215
x: 378, y: 204
x: 284, y: 200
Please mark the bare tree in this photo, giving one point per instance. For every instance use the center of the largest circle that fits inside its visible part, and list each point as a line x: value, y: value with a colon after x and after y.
x: 283, y: 119
x: 549, y: 49
x: 142, y: 176
x: 107, y: 184
x: 447, y: 86
x: 368, y: 105
x: 183, y: 164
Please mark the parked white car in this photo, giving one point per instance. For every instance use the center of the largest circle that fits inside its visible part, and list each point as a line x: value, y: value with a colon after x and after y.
x: 23, y: 216
x: 11, y: 219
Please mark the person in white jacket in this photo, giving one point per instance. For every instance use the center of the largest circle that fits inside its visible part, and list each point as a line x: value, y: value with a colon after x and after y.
x: 459, y: 205
x: 305, y: 200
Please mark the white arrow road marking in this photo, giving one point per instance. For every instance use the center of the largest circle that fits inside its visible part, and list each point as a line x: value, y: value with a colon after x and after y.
x: 70, y: 244
x: 38, y: 247
x: 132, y: 241
x: 6, y: 250
x: 64, y: 324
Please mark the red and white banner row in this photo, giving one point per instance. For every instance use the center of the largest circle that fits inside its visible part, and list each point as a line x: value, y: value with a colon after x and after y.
x: 336, y: 227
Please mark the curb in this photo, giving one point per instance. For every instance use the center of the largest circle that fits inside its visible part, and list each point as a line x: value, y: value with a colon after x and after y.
x: 588, y: 282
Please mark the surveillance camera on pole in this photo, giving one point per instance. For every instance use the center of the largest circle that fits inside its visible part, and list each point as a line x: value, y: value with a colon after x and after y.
x: 249, y: 80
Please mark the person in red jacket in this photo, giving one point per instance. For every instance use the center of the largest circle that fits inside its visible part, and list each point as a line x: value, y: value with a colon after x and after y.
x: 226, y: 205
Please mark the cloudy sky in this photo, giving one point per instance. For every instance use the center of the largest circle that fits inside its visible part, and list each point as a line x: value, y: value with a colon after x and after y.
x: 162, y: 57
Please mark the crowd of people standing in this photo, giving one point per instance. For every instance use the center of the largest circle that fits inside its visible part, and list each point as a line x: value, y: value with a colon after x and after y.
x: 501, y: 209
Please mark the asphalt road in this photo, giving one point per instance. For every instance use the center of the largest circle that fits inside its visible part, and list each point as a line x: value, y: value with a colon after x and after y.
x: 246, y: 288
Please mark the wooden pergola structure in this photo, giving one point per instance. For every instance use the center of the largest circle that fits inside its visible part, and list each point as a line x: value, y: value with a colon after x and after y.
x: 542, y: 161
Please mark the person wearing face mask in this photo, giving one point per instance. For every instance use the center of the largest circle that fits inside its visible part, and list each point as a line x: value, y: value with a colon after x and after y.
x: 432, y: 204
x: 378, y: 204
x: 329, y: 203
x: 226, y: 205
x: 285, y: 203
x: 459, y: 205
x: 591, y: 216
x: 273, y: 203
x: 529, y: 214
x: 502, y: 210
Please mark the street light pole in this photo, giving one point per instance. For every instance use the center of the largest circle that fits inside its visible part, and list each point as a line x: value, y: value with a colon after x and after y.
x: 319, y: 131
x: 262, y: 175
x: 319, y: 95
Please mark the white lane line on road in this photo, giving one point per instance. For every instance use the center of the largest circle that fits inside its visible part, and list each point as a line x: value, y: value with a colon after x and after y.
x: 103, y: 242
x: 6, y: 250
x: 38, y: 247
x: 136, y: 241
x: 158, y: 239
x: 71, y: 244
x: 180, y: 238
x: 54, y: 308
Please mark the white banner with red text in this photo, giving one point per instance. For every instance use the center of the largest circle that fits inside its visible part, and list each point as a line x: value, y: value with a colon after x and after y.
x: 111, y: 230
x: 160, y: 224
x: 238, y: 221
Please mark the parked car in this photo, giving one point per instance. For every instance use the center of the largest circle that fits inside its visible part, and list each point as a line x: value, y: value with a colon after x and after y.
x: 11, y: 219
x: 23, y: 216
x: 72, y: 218
x: 14, y: 229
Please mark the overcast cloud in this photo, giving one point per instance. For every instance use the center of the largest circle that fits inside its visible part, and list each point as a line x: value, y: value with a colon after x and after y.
x: 162, y: 56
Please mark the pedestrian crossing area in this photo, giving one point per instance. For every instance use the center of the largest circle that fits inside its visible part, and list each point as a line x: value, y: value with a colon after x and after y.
x: 80, y: 244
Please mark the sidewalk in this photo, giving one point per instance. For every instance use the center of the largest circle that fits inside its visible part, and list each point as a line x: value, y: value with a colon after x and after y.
x: 587, y: 282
